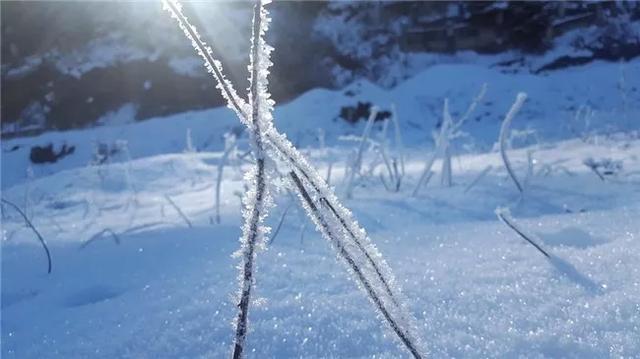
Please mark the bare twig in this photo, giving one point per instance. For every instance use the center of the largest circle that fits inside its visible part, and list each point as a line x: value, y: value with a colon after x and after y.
x: 99, y: 235
x: 357, y: 163
x: 175, y: 206
x: 479, y: 177
x: 28, y: 222
x: 593, y: 166
x: 505, y: 216
x: 280, y: 222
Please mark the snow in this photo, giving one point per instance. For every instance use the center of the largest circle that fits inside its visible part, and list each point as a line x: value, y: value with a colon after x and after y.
x: 476, y: 289
x: 551, y: 109
x: 123, y: 115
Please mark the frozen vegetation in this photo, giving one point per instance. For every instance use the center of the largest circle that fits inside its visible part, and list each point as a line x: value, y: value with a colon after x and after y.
x: 142, y: 229
x: 475, y: 287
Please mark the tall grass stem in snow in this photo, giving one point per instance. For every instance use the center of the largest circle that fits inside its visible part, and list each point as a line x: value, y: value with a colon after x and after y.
x: 33, y: 228
x: 177, y: 208
x: 357, y: 163
x: 439, y: 149
x: 99, y: 235
x: 478, y: 178
x: 504, y: 130
x: 504, y: 214
x: 449, y: 130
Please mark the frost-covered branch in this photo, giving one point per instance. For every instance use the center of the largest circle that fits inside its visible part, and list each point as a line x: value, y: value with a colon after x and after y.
x: 449, y: 130
x: 33, y: 228
x: 352, y: 263
x: 235, y: 102
x: 471, y: 108
x: 257, y: 198
x: 346, y: 230
x: 504, y: 130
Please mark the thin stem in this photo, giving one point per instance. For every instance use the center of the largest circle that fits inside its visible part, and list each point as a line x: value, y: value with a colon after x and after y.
x: 506, y: 220
x: 504, y: 129
x: 478, y: 178
x: 100, y: 234
x: 280, y: 222
x: 28, y: 222
x: 254, y: 218
x: 175, y: 206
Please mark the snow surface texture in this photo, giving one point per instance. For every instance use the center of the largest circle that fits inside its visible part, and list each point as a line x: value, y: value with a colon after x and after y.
x: 476, y: 288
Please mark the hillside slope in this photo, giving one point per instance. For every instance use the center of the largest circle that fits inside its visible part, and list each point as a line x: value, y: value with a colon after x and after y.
x: 597, y: 98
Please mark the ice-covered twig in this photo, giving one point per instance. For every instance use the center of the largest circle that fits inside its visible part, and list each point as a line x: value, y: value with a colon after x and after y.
x: 33, y: 228
x: 279, y: 147
x: 257, y: 198
x: 449, y: 130
x: 472, y: 106
x: 504, y: 130
x: 504, y: 214
x: 326, y: 229
x: 177, y: 208
x: 235, y: 102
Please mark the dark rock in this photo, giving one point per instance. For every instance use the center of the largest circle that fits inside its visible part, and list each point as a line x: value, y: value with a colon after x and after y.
x: 362, y: 110
x: 46, y: 154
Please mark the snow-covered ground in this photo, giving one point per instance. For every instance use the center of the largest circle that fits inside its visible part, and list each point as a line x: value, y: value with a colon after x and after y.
x: 598, y: 98
x: 475, y: 287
